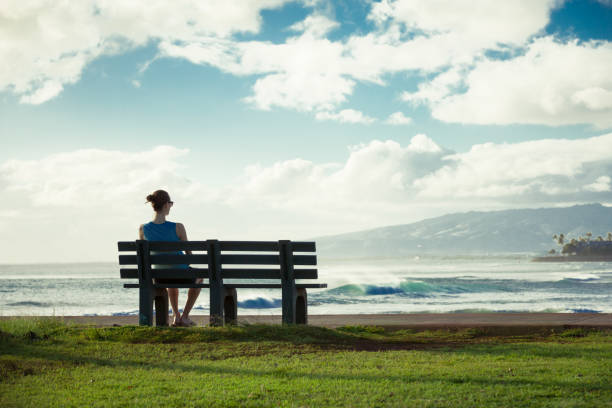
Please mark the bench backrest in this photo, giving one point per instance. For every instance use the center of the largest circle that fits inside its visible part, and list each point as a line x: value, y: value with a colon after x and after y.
x: 217, y: 260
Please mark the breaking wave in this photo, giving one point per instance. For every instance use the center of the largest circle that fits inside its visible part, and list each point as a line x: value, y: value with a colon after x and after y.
x: 260, y: 303
x: 30, y: 304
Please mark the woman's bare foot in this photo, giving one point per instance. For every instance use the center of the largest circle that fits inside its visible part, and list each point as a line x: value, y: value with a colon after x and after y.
x: 186, y: 321
x: 176, y: 321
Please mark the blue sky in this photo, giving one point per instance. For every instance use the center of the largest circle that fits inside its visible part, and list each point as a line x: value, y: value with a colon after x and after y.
x: 296, y: 119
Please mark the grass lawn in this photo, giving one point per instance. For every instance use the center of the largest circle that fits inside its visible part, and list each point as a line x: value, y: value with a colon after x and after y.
x: 45, y: 362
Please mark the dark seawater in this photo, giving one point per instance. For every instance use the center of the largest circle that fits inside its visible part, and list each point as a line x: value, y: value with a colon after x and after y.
x: 374, y: 285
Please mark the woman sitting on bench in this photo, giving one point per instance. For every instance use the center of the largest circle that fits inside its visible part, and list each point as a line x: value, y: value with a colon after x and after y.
x: 161, y: 230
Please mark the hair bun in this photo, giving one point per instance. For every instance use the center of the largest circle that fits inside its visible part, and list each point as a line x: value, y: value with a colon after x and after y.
x: 159, y: 198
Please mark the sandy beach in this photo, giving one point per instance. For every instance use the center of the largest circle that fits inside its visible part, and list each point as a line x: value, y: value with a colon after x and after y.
x: 399, y: 321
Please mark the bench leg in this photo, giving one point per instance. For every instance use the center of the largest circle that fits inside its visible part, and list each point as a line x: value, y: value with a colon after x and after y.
x: 145, y: 315
x: 295, y: 306
x: 289, y: 294
x: 230, y: 305
x: 216, y: 304
x: 301, y: 307
x: 161, y: 307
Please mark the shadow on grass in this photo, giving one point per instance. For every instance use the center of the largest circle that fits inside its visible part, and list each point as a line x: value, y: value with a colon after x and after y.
x: 55, y: 358
x: 27, y: 348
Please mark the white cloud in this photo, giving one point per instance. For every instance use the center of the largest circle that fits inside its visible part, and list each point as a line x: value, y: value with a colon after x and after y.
x: 96, y: 197
x: 477, y: 23
x: 92, y: 177
x: 382, y: 171
x: 75, y: 206
x: 315, y: 25
x: 594, y: 98
x: 549, y: 167
x: 383, y: 182
x: 346, y: 116
x: 48, y: 90
x: 398, y: 118
x: 301, y: 91
x: 422, y: 144
x: 440, y: 87
x: 308, y: 72
x: 553, y: 84
x: 600, y: 185
x: 47, y: 44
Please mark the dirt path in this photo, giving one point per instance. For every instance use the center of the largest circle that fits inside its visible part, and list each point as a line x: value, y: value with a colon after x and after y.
x: 402, y: 321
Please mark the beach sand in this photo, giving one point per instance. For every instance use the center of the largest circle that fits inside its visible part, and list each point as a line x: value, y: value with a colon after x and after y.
x: 399, y: 321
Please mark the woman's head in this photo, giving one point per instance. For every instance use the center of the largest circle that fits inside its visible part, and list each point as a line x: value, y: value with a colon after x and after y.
x: 159, y: 199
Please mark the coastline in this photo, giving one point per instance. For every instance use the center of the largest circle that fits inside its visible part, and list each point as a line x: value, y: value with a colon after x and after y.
x: 573, y: 258
x: 416, y: 321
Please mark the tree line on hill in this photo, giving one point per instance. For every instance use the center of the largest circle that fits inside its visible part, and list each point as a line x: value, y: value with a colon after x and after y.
x: 583, y: 245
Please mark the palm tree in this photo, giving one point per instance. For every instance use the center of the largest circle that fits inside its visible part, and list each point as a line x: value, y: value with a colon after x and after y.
x: 559, y: 239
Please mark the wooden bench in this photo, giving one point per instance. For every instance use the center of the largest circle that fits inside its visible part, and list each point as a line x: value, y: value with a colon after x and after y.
x: 216, y: 261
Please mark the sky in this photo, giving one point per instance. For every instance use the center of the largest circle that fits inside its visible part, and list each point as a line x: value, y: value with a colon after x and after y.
x: 278, y: 119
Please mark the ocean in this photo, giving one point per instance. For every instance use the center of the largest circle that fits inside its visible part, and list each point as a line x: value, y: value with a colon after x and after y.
x: 427, y: 284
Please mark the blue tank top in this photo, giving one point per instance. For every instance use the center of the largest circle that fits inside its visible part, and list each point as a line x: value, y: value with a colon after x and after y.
x: 162, y: 232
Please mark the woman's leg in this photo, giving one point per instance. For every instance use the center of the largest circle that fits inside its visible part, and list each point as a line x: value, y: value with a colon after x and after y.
x: 173, y: 297
x: 192, y: 295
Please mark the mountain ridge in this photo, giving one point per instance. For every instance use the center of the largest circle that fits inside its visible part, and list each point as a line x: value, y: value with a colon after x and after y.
x: 474, y: 232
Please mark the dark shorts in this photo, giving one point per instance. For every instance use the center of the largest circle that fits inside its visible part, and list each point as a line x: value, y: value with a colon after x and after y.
x: 175, y: 281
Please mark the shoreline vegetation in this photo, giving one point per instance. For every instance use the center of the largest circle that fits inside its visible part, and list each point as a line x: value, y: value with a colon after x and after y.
x: 48, y: 362
x: 573, y: 258
x: 582, y: 249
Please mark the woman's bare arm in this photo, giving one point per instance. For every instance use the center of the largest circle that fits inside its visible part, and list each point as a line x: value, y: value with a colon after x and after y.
x: 141, y: 232
x: 182, y: 234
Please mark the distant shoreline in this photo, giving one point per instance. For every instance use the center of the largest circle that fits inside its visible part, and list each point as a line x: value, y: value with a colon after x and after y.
x: 574, y: 258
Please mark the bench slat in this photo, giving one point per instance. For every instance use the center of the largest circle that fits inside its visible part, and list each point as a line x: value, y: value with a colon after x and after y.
x: 168, y: 285
x: 273, y: 285
x: 306, y: 274
x: 128, y: 260
x: 179, y: 273
x: 311, y: 285
x: 171, y: 259
x: 299, y: 246
x: 250, y: 259
x: 230, y: 285
x: 270, y: 246
x: 128, y: 273
x: 165, y: 259
x: 181, y: 285
x: 265, y: 259
x: 126, y: 246
x: 177, y: 246
x: 236, y: 273
x: 304, y: 260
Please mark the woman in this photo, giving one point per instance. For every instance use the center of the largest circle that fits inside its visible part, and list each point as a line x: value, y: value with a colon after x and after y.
x: 161, y: 230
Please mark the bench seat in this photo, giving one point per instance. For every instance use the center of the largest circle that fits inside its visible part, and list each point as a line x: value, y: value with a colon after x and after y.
x: 229, y: 285
x: 216, y: 261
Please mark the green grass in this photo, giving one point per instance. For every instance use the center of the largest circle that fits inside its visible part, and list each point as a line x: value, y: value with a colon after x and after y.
x: 44, y: 362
